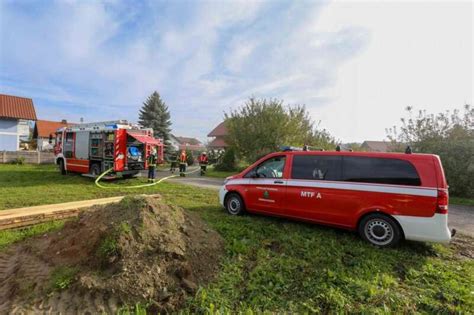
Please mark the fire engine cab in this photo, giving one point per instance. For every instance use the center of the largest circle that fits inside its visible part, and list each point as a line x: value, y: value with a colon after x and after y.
x: 93, y: 148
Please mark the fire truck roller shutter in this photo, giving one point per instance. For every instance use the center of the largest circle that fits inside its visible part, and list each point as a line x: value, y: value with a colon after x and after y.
x: 82, y: 145
x: 145, y: 139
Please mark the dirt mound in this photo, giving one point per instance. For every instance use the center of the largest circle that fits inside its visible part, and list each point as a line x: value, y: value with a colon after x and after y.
x: 137, y: 250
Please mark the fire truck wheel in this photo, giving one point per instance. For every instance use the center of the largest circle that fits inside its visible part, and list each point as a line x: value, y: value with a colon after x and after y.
x: 62, y: 169
x: 234, y: 204
x: 380, y: 230
x: 95, y: 169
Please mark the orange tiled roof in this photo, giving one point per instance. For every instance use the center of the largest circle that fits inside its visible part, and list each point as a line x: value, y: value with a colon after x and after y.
x: 44, y: 128
x: 220, y: 130
x: 218, y: 143
x: 17, y: 107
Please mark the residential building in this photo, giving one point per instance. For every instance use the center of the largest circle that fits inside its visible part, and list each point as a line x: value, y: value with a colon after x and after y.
x: 219, y: 133
x: 44, y: 133
x: 174, y: 143
x: 187, y: 143
x: 15, y: 115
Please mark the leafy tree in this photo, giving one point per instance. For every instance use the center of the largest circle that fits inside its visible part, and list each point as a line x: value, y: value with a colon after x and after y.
x: 261, y: 126
x: 449, y: 135
x: 155, y: 114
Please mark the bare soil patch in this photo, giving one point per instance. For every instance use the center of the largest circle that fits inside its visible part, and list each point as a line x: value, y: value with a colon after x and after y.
x: 137, y: 250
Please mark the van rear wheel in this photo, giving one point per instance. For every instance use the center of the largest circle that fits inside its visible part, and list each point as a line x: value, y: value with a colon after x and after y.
x: 234, y: 204
x: 380, y: 230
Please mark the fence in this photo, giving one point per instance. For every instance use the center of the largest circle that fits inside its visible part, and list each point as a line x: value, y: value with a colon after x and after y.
x: 31, y: 157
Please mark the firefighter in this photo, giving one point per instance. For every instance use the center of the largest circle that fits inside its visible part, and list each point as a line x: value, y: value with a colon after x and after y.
x: 152, y: 166
x: 182, y: 163
x: 174, y: 163
x: 203, y: 161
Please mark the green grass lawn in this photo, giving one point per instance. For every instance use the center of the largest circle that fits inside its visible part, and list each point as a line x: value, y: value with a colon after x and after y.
x: 277, y: 265
x: 211, y: 172
x: 461, y: 201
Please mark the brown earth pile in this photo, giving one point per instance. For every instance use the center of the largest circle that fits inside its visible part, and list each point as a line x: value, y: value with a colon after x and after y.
x: 137, y: 250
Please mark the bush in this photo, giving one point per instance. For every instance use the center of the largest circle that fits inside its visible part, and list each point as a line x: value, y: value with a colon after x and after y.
x: 19, y: 160
x: 227, y: 162
x: 189, y: 157
x: 449, y: 135
x: 261, y: 126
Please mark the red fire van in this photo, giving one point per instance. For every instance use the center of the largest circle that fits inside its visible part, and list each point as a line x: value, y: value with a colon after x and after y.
x: 386, y: 197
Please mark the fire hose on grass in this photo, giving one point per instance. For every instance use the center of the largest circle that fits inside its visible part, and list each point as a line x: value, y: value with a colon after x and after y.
x: 136, y: 186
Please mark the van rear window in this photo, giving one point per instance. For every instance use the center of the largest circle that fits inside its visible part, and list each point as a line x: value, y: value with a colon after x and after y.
x: 380, y: 171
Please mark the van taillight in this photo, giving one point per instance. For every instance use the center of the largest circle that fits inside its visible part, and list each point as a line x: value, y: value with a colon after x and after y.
x: 442, y: 202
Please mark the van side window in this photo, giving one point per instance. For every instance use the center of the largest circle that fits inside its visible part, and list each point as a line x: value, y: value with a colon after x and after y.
x: 271, y: 168
x: 317, y: 167
x: 379, y: 171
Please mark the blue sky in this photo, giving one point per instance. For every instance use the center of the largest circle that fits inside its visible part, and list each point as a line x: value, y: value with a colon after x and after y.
x: 100, y: 59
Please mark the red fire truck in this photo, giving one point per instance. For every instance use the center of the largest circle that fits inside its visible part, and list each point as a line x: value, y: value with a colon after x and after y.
x: 93, y: 148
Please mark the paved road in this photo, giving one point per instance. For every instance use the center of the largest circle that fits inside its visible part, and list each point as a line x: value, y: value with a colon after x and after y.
x: 460, y: 217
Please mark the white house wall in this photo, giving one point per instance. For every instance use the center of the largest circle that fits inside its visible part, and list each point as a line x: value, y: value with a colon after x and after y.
x: 9, y: 136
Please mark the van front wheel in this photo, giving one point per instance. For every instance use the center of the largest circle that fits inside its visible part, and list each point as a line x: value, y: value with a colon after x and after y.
x: 380, y: 230
x: 234, y: 204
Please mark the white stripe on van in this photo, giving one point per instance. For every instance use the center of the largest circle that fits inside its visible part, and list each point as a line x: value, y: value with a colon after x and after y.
x: 390, y: 189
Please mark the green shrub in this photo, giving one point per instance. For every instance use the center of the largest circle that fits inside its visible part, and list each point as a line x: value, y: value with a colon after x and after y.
x: 189, y: 157
x: 19, y: 160
x: 228, y: 162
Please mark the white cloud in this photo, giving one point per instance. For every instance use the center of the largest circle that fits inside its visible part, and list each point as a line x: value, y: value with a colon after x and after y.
x: 420, y: 55
x: 355, y: 65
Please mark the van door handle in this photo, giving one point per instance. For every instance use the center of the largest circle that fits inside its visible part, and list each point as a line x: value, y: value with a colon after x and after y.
x: 278, y: 182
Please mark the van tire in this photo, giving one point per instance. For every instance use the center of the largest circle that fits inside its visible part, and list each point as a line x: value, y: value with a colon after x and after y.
x: 234, y: 204
x: 61, y: 167
x: 380, y: 230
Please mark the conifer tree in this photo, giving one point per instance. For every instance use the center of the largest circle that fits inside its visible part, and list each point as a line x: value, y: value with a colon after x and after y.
x: 155, y: 114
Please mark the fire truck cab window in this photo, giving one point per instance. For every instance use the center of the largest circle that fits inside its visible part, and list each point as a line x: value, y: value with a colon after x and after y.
x: 271, y: 168
x: 69, y: 137
x: 380, y: 171
x: 317, y: 167
x: 68, y: 145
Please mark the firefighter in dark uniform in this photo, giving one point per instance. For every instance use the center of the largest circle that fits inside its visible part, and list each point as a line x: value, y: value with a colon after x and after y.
x: 174, y: 163
x: 152, y: 166
x: 182, y: 163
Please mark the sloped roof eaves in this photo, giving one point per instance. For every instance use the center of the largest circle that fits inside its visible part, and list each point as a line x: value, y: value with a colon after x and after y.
x: 218, y: 143
x: 192, y: 147
x: 17, y: 107
x: 44, y: 128
x: 188, y: 140
x: 219, y: 131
